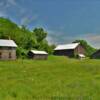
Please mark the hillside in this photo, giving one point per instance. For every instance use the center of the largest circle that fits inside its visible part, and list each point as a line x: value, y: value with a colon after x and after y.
x: 58, y: 78
x: 25, y: 38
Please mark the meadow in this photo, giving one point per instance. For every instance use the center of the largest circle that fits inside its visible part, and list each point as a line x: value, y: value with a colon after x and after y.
x: 57, y: 78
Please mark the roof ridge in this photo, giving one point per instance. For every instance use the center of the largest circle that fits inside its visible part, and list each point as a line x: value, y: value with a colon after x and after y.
x: 69, y: 43
x: 67, y: 46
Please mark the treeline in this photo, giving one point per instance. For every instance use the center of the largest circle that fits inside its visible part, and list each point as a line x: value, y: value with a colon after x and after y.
x: 35, y: 39
x: 25, y: 39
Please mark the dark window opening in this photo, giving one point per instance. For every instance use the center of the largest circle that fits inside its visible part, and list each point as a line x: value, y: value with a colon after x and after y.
x: 0, y: 55
x: 10, y: 55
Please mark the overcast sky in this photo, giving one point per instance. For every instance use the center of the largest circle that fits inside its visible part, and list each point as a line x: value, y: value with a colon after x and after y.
x: 65, y: 20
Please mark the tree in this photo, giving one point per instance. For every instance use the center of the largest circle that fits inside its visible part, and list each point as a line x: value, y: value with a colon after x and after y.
x: 40, y: 34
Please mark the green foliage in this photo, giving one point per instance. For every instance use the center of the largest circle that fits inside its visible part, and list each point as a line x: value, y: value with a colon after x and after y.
x: 44, y: 46
x: 40, y: 34
x: 89, y: 50
x: 42, y: 43
x: 24, y: 38
x: 21, y: 53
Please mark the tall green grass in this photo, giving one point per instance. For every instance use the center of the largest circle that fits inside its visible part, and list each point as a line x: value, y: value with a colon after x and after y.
x: 57, y: 78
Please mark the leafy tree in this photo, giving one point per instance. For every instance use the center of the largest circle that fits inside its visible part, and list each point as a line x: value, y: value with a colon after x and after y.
x: 42, y: 43
x: 40, y: 34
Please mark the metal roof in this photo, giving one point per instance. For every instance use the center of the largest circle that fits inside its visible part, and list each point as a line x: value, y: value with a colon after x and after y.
x: 67, y: 46
x: 7, y: 43
x: 38, y: 52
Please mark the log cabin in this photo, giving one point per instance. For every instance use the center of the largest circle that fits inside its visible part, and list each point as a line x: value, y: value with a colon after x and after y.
x: 7, y: 49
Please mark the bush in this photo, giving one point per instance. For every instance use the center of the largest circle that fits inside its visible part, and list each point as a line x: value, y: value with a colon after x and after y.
x: 21, y: 53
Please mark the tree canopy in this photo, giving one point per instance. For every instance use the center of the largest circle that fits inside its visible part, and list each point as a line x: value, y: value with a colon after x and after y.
x: 25, y: 38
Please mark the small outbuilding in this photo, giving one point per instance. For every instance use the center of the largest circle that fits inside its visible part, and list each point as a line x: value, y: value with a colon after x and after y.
x: 37, y: 55
x: 69, y: 50
x: 7, y: 49
x: 81, y: 56
x: 96, y: 55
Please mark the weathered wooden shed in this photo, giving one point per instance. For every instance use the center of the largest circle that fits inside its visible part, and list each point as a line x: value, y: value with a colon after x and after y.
x: 69, y: 50
x: 37, y: 55
x: 96, y: 55
x: 7, y: 49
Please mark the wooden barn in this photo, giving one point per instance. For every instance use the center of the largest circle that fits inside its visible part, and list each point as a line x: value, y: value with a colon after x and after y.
x: 96, y: 55
x: 70, y: 50
x: 37, y: 55
x: 7, y: 50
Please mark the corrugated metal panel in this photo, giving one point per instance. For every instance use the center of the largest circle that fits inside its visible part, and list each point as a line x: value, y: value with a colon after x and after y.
x: 67, y: 46
x: 38, y: 52
x: 7, y: 43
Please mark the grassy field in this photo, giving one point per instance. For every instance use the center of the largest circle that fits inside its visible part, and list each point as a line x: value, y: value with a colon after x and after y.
x: 58, y: 78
